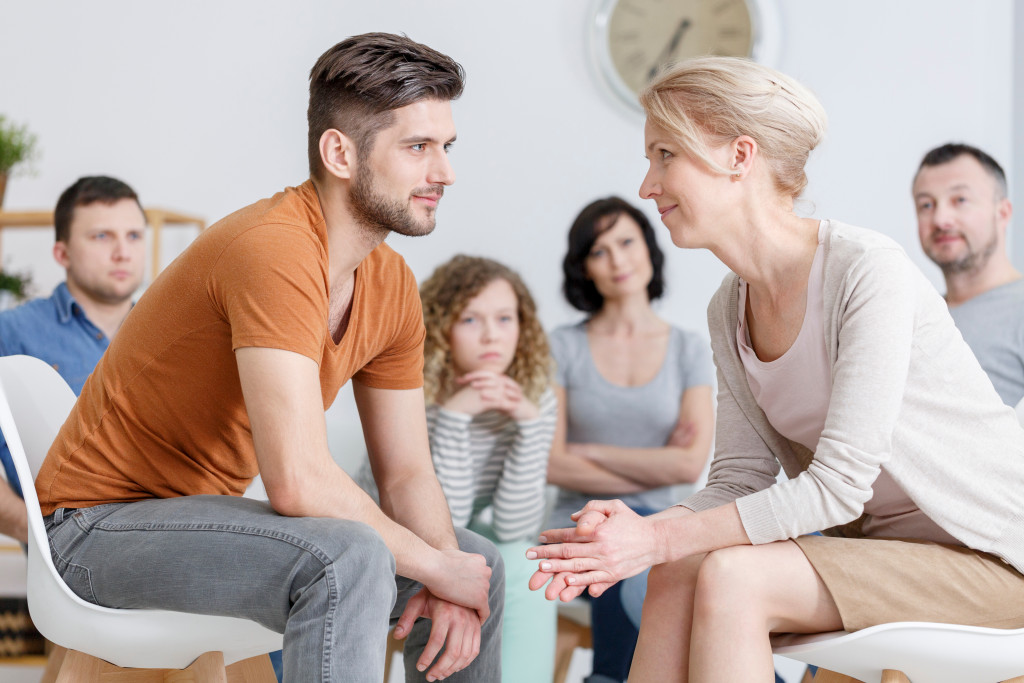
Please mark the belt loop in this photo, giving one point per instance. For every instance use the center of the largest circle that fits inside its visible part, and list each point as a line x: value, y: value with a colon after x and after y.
x: 58, y: 515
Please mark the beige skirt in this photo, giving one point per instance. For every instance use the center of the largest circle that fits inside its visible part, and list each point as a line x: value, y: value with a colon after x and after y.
x: 878, y: 580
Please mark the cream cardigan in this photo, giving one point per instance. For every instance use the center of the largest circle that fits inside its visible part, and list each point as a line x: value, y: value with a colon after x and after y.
x: 907, y: 395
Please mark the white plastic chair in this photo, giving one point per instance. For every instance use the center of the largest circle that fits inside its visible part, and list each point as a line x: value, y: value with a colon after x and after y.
x: 917, y: 651
x: 34, y: 402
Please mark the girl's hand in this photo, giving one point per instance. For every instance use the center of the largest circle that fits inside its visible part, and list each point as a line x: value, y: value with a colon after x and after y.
x: 466, y: 400
x: 500, y: 392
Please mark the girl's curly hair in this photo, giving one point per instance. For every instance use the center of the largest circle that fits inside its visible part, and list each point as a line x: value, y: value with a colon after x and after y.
x: 445, y: 295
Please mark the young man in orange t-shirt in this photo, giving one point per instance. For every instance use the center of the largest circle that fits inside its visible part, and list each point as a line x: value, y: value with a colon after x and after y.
x: 224, y: 369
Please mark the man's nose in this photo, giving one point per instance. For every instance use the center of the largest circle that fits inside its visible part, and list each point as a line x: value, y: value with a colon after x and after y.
x: 441, y: 171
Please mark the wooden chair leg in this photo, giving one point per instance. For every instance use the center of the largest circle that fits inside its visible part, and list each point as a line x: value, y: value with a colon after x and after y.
x: 208, y: 668
x: 78, y: 667
x: 893, y: 676
x: 54, y: 660
x: 570, y: 636
x: 826, y: 676
x: 253, y: 670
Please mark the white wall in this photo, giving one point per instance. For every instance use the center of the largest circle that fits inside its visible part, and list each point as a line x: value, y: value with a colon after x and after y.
x: 201, y: 107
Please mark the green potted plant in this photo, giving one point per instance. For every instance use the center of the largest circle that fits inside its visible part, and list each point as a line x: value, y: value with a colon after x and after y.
x: 14, y: 288
x: 17, y: 146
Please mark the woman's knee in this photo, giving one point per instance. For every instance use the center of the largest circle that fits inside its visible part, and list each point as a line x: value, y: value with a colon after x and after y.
x: 730, y: 575
x: 674, y: 577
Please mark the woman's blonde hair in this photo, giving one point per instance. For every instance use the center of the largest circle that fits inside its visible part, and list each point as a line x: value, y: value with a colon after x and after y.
x: 444, y: 296
x: 709, y: 101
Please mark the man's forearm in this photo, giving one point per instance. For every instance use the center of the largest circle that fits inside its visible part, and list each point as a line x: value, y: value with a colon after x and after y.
x: 418, y: 504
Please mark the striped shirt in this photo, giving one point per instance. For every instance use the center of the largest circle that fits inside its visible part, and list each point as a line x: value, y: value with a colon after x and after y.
x: 492, y: 460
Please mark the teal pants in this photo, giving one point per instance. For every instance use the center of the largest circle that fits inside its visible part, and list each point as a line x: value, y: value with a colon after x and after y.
x: 531, y: 622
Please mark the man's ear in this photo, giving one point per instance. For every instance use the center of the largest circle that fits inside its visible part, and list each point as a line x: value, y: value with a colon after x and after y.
x: 60, y: 253
x: 337, y: 154
x: 1004, y: 211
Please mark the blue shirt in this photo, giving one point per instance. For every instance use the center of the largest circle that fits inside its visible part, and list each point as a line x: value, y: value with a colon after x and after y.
x: 57, y: 331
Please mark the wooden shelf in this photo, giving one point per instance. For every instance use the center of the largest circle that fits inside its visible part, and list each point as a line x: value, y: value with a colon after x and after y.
x: 155, y: 218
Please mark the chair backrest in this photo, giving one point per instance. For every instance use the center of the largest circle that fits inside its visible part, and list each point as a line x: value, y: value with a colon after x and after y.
x: 39, y: 400
x: 34, y: 403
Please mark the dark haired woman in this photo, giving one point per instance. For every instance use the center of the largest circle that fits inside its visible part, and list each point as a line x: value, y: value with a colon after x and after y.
x: 634, y: 394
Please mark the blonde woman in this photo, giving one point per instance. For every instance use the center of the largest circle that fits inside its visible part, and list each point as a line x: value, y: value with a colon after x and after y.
x: 836, y: 359
x: 491, y: 418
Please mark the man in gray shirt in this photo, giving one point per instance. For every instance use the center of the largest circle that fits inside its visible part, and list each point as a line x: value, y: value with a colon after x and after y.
x: 963, y: 214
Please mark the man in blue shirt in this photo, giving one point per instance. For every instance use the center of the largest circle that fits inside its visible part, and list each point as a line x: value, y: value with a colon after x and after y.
x: 99, y: 228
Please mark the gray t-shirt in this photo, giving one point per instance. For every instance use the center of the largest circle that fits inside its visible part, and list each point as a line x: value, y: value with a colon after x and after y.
x: 993, y: 326
x: 598, y: 411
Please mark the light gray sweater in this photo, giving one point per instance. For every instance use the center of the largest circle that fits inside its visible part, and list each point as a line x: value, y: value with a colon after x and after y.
x: 907, y: 395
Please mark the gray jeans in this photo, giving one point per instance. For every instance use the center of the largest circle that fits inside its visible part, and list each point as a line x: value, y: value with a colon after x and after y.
x: 329, y: 585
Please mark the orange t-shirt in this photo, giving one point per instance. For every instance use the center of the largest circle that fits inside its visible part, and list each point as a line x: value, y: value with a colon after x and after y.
x: 163, y: 415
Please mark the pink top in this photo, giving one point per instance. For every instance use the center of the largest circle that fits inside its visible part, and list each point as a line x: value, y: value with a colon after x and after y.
x: 800, y: 415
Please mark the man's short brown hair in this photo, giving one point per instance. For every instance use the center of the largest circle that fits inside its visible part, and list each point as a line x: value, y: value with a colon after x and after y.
x: 88, y: 190
x: 356, y: 84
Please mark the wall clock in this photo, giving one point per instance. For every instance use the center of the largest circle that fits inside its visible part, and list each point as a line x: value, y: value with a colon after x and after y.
x: 632, y: 40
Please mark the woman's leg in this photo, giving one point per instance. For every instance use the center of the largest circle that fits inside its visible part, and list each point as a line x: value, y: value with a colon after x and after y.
x: 663, y: 648
x: 708, y: 619
x: 745, y: 593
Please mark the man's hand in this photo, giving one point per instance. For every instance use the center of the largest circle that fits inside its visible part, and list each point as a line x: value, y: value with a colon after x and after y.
x: 462, y: 579
x: 453, y: 627
x: 610, y: 543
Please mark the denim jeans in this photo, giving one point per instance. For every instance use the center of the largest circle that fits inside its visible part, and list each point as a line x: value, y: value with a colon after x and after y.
x: 328, y: 585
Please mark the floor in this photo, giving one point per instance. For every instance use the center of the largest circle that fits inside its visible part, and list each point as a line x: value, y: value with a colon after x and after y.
x: 31, y: 672
x: 791, y: 671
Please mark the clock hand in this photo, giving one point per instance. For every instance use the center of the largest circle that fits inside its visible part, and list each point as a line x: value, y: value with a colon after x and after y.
x: 673, y: 43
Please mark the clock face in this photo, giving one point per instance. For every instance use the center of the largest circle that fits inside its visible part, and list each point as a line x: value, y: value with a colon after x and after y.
x: 636, y: 39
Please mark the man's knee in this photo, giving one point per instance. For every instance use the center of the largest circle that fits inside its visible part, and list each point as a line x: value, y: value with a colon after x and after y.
x: 361, y: 545
x: 472, y: 542
x: 355, y: 554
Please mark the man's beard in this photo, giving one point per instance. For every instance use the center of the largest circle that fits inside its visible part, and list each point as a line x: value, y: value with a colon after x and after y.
x: 972, y: 261
x: 380, y: 214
